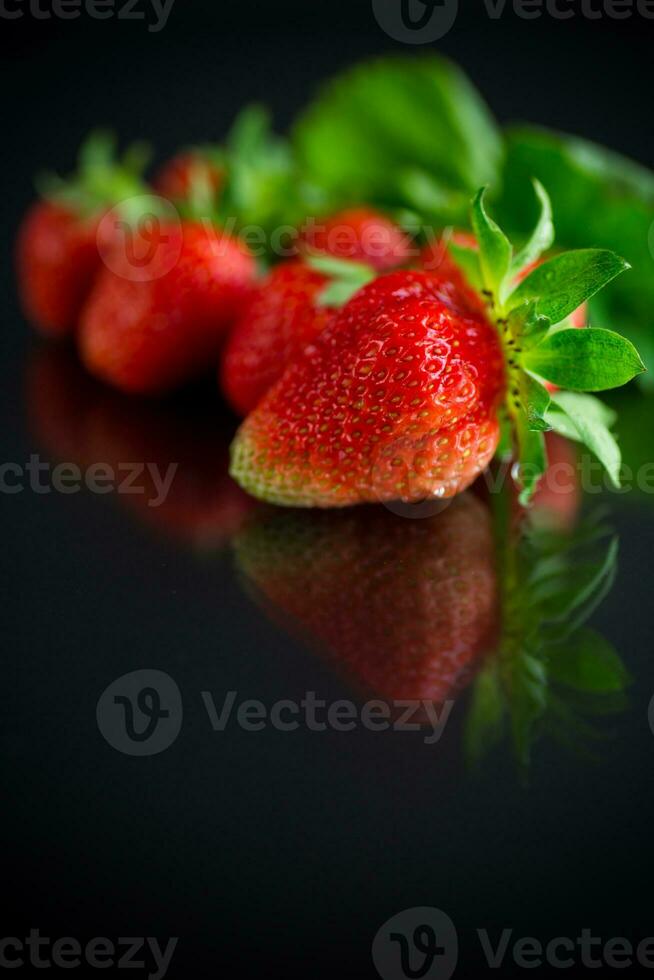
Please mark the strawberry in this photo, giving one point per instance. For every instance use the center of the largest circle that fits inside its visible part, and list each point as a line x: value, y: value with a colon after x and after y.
x: 178, y: 177
x: 282, y: 318
x: 151, y: 324
x: 406, y: 608
x: 292, y: 306
x: 362, y: 235
x: 402, y: 394
x: 57, y: 259
x: 396, y: 398
x: 57, y: 253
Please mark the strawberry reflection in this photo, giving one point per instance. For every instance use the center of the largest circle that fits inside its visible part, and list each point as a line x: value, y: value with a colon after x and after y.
x: 74, y: 419
x: 484, y: 596
x: 407, y: 608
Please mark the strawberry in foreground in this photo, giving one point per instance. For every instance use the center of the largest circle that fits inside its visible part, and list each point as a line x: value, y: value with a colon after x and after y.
x: 404, y: 393
x: 406, y: 608
x: 57, y: 251
x: 151, y: 326
x: 294, y: 303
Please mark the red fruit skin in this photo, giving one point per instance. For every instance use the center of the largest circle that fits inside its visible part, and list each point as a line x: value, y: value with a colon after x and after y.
x: 177, y: 176
x: 278, y: 323
x: 396, y: 399
x: 362, y: 235
x: 405, y: 608
x: 57, y: 261
x: 148, y: 336
x: 74, y: 419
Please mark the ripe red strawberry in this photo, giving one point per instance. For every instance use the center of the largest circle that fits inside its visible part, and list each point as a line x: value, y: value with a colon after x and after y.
x: 150, y: 325
x: 62, y: 241
x: 397, y: 398
x: 286, y: 313
x: 177, y: 177
x: 362, y: 235
x: 57, y: 261
x: 282, y: 318
x: 406, y: 608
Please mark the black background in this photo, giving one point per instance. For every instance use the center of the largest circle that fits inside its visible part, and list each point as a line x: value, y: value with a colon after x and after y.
x: 279, y: 854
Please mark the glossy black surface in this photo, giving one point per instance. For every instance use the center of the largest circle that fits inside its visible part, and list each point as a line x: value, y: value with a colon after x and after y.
x: 275, y: 853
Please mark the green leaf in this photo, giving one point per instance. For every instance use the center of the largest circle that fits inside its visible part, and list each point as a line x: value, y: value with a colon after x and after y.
x: 494, y: 247
x: 532, y: 459
x: 102, y: 179
x: 563, y: 283
x: 542, y: 236
x: 529, y: 698
x: 347, y: 277
x: 585, y: 360
x: 536, y: 401
x: 484, y: 720
x: 430, y: 198
x: 598, y: 197
x: 585, y: 419
x: 384, y: 118
x: 346, y: 269
x: 588, y: 663
x: 571, y: 598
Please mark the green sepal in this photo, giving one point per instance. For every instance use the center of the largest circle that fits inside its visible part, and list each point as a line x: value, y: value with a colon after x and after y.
x: 347, y: 278
x: 591, y: 359
x: 494, y: 248
x: 563, y: 283
x: 102, y: 179
x: 587, y: 420
x: 532, y: 461
x: 589, y: 664
x: 542, y: 236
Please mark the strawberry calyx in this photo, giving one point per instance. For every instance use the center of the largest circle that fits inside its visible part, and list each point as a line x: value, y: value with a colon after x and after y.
x: 102, y: 179
x: 346, y: 277
x: 530, y: 307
